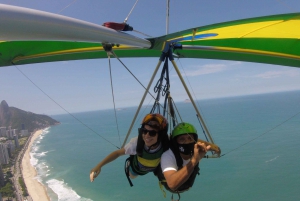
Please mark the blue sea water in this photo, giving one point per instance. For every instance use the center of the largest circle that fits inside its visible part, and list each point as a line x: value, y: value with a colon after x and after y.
x: 259, y: 135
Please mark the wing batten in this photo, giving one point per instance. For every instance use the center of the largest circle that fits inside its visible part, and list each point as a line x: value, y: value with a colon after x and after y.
x: 239, y: 50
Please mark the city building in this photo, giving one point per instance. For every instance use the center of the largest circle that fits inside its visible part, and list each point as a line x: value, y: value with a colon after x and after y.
x: 3, y: 132
x: 1, y: 178
x: 9, y: 133
x: 15, y: 131
x: 16, y: 141
x: 4, y: 158
x: 10, y: 148
x: 24, y: 133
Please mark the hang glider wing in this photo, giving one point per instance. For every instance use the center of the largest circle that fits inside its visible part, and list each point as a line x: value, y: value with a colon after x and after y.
x: 270, y: 39
x: 30, y: 36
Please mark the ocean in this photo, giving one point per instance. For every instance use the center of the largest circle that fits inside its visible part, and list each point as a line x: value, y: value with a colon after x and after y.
x: 259, y: 135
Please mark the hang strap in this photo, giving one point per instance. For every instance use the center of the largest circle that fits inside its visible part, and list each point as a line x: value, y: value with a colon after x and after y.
x: 161, y: 186
x: 126, y: 168
x: 178, y: 197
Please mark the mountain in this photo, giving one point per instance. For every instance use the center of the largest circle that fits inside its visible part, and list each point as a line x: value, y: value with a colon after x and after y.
x: 14, y: 117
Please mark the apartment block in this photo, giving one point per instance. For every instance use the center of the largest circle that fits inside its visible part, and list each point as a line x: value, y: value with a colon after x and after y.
x: 4, y: 158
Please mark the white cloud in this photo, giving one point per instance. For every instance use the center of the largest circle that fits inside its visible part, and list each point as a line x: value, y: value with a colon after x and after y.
x: 210, y: 69
x: 276, y: 74
x: 130, y: 92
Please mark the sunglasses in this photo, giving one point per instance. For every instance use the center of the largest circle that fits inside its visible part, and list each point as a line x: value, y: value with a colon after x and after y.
x: 152, y: 133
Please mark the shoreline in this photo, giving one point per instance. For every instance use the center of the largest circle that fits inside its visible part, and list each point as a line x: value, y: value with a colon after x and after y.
x: 36, y: 190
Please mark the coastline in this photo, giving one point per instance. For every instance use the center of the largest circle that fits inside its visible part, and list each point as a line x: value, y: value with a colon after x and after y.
x: 35, y: 189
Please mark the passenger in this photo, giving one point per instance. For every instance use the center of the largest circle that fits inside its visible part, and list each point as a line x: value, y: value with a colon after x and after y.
x: 145, y: 150
x: 180, y: 164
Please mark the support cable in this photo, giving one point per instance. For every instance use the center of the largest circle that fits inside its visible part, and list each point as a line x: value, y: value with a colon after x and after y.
x: 202, y: 128
x: 125, y: 21
x: 146, y: 89
x: 113, y: 96
x: 132, y: 74
x: 194, y: 94
x: 191, y: 98
x: 141, y: 102
x: 268, y: 131
x: 287, y: 6
x: 64, y: 108
x: 66, y: 6
x: 167, y: 17
x: 173, y: 104
x: 124, y: 26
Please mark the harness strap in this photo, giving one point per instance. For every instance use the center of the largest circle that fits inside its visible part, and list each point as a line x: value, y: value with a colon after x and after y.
x: 161, y: 186
x: 126, y: 168
x: 178, y: 197
x: 161, y: 89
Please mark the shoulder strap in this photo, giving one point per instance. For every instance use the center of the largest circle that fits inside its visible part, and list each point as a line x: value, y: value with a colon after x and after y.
x: 178, y: 158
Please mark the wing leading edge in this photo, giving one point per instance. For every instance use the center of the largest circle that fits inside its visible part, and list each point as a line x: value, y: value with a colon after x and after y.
x: 270, y: 39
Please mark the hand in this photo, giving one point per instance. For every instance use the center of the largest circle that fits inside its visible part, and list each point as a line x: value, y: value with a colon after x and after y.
x: 200, y: 150
x: 94, y: 173
x: 203, y: 149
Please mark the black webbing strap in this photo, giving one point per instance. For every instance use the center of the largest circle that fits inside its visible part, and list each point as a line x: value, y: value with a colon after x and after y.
x: 126, y: 168
x: 159, y: 89
x: 164, y: 90
x: 178, y: 196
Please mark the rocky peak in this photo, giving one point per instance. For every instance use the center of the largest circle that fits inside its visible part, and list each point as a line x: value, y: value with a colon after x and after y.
x: 11, y: 116
x: 4, y: 112
x: 4, y: 106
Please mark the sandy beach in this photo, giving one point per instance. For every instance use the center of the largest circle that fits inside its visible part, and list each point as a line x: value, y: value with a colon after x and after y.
x: 35, y: 189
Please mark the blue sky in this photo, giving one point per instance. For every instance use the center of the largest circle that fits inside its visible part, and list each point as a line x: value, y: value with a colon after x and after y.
x: 84, y: 85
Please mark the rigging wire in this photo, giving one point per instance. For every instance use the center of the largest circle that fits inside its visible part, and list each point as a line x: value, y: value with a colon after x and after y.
x: 113, y: 53
x: 287, y: 5
x: 64, y: 108
x: 113, y: 96
x: 125, y: 21
x: 195, y: 97
x: 268, y: 131
x: 108, y: 47
x: 176, y: 110
x: 133, y: 75
x: 141, y: 33
x: 66, y: 6
x: 167, y: 17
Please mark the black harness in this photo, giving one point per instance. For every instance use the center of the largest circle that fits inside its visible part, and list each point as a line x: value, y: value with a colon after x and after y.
x: 132, y: 162
x: 186, y: 185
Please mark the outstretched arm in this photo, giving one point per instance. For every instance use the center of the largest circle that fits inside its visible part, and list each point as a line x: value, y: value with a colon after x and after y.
x: 112, y: 156
x: 176, y: 178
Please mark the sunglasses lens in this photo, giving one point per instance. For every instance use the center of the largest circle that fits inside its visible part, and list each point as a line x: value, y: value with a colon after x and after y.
x: 152, y: 133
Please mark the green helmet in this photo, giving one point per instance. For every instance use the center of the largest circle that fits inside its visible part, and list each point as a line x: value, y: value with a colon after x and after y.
x: 183, y: 128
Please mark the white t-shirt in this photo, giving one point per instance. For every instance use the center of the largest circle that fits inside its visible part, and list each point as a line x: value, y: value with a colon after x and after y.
x: 130, y: 148
x: 168, y: 161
